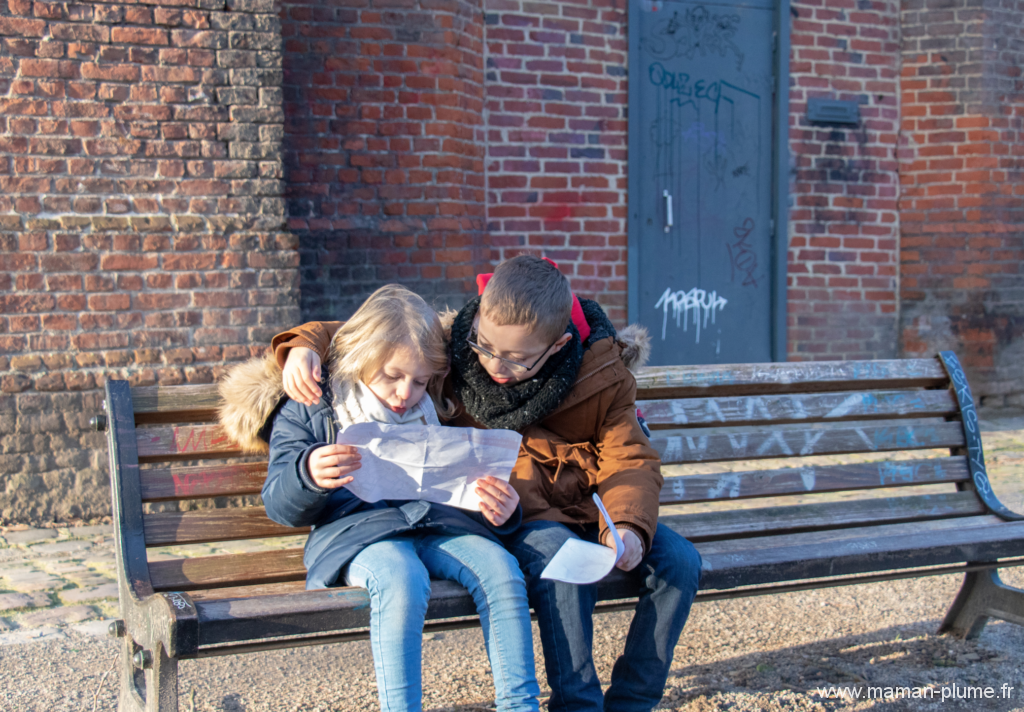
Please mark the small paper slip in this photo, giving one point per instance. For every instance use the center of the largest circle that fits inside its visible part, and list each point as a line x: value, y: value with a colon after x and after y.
x: 580, y: 561
x: 431, y: 462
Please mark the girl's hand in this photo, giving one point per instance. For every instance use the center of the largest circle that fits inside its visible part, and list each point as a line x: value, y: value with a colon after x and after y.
x: 301, y: 375
x: 329, y: 465
x: 497, y: 499
x: 634, y: 548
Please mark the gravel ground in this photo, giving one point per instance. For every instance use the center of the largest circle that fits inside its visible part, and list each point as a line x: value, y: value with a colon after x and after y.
x: 763, y: 653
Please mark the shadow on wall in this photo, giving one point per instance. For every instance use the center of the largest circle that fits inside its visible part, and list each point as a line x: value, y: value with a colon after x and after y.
x: 383, y: 151
x: 988, y: 339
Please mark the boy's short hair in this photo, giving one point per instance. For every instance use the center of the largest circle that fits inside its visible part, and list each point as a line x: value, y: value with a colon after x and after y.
x: 529, y: 291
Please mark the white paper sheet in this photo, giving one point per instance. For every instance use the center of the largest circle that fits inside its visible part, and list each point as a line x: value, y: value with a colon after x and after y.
x: 580, y: 561
x: 431, y: 462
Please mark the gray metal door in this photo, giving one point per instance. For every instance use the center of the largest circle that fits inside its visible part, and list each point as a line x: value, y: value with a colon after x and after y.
x: 703, y: 275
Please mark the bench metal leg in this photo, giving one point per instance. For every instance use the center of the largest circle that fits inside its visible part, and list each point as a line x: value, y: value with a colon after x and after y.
x: 151, y: 689
x: 982, y: 596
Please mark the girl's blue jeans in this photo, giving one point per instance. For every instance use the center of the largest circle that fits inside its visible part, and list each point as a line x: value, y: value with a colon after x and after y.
x: 397, y: 574
x: 667, y: 580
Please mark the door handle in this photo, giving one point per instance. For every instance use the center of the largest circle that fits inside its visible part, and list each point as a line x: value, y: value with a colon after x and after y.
x: 668, y: 209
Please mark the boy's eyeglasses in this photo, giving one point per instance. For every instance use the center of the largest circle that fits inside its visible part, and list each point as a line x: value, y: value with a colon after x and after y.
x: 515, y: 366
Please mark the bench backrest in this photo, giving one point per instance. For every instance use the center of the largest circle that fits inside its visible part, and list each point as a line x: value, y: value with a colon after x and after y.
x: 166, y: 447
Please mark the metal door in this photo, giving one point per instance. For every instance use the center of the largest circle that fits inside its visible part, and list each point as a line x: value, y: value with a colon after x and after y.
x: 703, y: 179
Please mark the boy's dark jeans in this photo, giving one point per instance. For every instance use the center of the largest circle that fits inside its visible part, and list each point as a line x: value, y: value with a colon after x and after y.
x: 669, y: 576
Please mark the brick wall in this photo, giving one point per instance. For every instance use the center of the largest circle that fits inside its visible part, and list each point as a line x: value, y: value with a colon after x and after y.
x: 844, y: 220
x: 556, y: 139
x: 140, y: 220
x: 169, y: 173
x: 962, y: 167
x: 384, y: 148
x: 390, y: 108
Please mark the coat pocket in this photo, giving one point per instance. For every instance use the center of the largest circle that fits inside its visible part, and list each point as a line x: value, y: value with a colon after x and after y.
x: 566, y: 472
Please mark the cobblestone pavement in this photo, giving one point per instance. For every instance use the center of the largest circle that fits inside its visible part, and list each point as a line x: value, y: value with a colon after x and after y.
x: 65, y: 578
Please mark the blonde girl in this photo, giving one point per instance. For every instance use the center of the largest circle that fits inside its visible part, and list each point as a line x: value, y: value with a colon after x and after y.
x: 387, y: 364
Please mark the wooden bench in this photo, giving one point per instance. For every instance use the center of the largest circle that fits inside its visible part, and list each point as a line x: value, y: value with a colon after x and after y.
x: 949, y: 521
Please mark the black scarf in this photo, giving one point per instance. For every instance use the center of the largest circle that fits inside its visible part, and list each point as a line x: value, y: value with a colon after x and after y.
x: 514, y: 406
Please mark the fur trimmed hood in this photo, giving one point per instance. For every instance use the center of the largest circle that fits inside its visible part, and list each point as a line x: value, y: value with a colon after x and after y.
x: 447, y: 317
x: 635, y: 341
x: 251, y: 392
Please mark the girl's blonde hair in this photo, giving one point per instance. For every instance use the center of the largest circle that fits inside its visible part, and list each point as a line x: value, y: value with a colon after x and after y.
x: 391, y: 318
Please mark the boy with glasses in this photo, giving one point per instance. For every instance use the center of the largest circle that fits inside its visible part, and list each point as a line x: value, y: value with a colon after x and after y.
x: 529, y: 356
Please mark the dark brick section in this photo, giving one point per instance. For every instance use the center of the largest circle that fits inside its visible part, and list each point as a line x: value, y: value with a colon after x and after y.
x: 383, y: 149
x: 140, y: 220
x: 962, y: 169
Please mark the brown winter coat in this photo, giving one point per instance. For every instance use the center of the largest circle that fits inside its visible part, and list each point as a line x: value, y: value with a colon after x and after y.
x: 591, y: 442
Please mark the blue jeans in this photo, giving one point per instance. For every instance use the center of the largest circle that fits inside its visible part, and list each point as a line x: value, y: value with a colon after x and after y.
x: 668, y: 578
x: 397, y: 574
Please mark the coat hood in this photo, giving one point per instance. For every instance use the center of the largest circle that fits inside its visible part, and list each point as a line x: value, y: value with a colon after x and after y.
x: 635, y: 341
x: 251, y: 392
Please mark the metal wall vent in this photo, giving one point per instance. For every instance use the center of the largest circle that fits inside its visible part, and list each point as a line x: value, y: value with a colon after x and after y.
x: 833, y: 111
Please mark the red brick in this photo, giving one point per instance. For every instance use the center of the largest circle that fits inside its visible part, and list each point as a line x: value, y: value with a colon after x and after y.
x: 109, y: 302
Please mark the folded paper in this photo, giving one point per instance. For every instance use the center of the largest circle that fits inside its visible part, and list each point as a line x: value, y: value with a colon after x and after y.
x: 581, y: 562
x: 431, y: 462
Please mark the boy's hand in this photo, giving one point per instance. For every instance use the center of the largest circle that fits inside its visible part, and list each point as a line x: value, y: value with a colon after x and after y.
x: 329, y: 465
x: 301, y: 375
x: 634, y: 548
x: 498, y: 499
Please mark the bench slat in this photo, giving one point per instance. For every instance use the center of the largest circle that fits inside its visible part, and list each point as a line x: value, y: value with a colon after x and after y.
x: 755, y: 378
x: 614, y: 580
x: 176, y: 404
x: 797, y: 407
x: 211, y: 525
x: 184, y: 442
x: 286, y: 565
x: 821, y: 516
x: 311, y: 612
x: 260, y: 589
x: 153, y: 402
x: 198, y: 403
x: 713, y: 445
x: 223, y: 570
x: 204, y: 481
x: 813, y: 478
x: 291, y: 612
x: 728, y: 564
x: 195, y: 482
x: 776, y: 540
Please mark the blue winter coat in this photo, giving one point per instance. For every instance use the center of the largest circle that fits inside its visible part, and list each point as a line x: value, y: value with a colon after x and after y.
x: 343, y: 525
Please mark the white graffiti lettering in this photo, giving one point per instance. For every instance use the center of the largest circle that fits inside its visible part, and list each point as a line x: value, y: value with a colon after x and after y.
x: 702, y: 303
x: 808, y: 476
x: 178, y: 601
